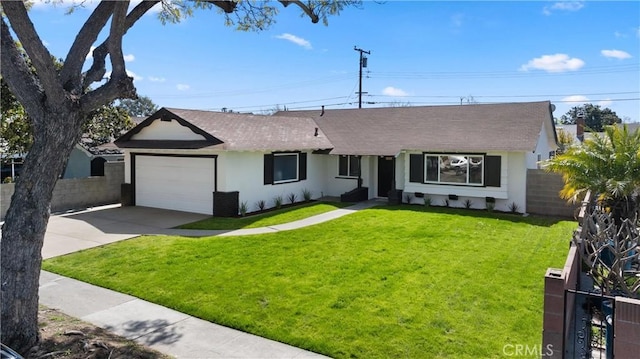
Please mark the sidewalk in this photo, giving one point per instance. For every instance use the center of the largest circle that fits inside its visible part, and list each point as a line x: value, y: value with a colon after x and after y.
x: 160, y: 328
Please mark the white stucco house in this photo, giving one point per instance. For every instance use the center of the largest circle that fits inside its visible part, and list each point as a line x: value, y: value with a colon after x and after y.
x: 210, y: 162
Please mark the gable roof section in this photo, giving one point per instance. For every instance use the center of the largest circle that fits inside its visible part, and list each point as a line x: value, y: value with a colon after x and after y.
x: 460, y: 128
x: 233, y: 131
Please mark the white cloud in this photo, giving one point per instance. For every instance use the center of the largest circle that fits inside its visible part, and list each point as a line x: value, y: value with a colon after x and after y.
x: 457, y: 20
x: 553, y: 63
x: 127, y: 58
x: 157, y: 79
x: 90, y: 54
x: 616, y: 54
x: 576, y: 99
x: 563, y: 6
x: 605, y: 103
x: 296, y: 40
x: 155, y: 9
x: 129, y: 73
x: 392, y: 91
x: 133, y: 74
x: 182, y: 87
x: 44, y: 4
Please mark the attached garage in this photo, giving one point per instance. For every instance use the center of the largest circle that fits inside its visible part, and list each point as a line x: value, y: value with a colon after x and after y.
x: 182, y: 183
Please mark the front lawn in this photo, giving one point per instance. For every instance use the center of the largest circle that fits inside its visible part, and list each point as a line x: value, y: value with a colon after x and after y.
x: 269, y: 218
x: 388, y: 282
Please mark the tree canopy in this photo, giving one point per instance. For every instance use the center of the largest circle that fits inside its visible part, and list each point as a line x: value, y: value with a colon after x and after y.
x: 595, y: 117
x: 607, y: 164
x: 138, y: 107
x: 103, y: 125
x: 58, y: 103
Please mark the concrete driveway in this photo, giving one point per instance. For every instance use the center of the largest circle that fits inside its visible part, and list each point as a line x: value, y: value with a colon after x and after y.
x: 68, y: 233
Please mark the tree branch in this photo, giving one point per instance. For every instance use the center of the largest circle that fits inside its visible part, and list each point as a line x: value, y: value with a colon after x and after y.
x: 17, y: 75
x: 118, y: 28
x: 226, y: 6
x: 307, y: 10
x: 120, y: 87
x: 40, y: 57
x: 71, y: 72
x: 97, y: 70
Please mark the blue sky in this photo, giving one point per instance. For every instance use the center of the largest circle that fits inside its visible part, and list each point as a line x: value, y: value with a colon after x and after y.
x: 422, y: 53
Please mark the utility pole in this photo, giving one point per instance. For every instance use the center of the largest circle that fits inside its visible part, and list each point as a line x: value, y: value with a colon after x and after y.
x: 363, y: 63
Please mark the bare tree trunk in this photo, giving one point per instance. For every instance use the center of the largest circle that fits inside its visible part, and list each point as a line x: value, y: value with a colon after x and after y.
x: 25, y: 225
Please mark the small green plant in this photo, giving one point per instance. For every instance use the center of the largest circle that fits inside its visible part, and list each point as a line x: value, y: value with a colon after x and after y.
x: 468, y: 203
x: 306, y: 194
x: 243, y: 208
x: 427, y: 201
x: 292, y: 198
x: 513, y: 207
x: 277, y: 201
x: 490, y: 206
x: 408, y: 197
x: 261, y: 204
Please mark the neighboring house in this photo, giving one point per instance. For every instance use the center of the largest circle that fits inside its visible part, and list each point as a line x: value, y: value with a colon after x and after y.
x: 575, y: 131
x: 209, y: 162
x: 87, y: 160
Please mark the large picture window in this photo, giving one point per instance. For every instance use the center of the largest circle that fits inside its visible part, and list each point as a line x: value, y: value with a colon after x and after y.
x: 285, y: 167
x: 348, y: 166
x: 454, y: 169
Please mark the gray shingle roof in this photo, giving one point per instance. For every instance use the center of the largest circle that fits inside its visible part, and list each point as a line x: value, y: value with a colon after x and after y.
x: 371, y: 131
x: 246, y: 132
x: 460, y: 128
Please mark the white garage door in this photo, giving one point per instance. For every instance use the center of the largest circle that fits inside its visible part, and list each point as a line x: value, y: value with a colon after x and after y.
x: 179, y: 183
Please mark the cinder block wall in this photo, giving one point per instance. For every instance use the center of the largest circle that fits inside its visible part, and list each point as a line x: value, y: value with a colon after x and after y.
x: 6, y: 191
x: 542, y: 195
x: 78, y: 193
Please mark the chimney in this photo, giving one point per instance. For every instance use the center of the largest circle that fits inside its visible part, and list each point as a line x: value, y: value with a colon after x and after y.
x: 322, y: 113
x: 580, y: 125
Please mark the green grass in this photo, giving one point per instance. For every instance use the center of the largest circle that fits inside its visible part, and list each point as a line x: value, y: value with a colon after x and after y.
x: 270, y: 218
x: 388, y: 282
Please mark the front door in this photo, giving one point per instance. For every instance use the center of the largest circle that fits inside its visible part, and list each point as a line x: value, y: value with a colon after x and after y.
x: 386, y: 175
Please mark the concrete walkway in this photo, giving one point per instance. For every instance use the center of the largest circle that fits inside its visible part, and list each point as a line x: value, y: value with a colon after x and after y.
x: 160, y: 328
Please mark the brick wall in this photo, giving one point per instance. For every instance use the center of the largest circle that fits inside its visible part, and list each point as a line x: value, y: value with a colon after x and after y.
x: 78, y: 193
x: 556, y: 281
x: 543, y: 197
x: 626, y: 328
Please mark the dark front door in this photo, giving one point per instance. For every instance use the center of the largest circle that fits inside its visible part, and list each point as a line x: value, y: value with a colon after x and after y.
x: 386, y: 175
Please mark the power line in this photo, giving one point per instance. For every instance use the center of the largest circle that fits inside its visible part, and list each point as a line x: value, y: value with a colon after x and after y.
x: 543, y: 95
x: 455, y: 100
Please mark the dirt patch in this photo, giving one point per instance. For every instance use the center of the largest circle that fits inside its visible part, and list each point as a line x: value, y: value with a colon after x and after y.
x: 65, y: 337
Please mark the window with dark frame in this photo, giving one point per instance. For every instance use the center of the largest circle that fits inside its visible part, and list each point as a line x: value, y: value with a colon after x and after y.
x: 285, y: 167
x: 460, y: 169
x: 348, y: 166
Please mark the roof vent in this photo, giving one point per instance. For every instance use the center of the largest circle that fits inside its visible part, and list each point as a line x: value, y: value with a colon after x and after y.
x: 316, y: 133
x: 322, y: 113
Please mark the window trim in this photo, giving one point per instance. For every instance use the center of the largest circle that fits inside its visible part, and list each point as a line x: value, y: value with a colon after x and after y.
x: 466, y: 183
x: 283, y: 154
x: 349, y: 159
